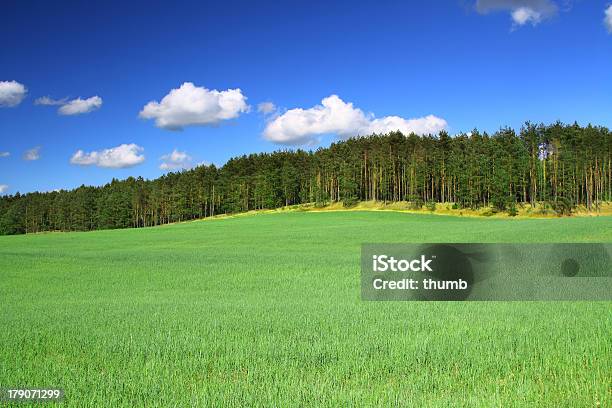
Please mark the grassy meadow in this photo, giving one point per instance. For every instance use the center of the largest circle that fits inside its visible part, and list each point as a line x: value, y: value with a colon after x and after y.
x: 265, y: 310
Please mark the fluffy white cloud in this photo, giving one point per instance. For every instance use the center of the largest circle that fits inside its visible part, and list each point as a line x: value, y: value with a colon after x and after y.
x: 48, y: 101
x: 190, y: 105
x: 429, y: 124
x: 11, y: 93
x: 5, y: 154
x: 266, y: 108
x: 175, y: 160
x: 608, y: 18
x: 334, y: 116
x: 301, y: 126
x: 3, y: 188
x: 521, y: 11
x: 79, y: 106
x: 32, y: 154
x: 125, y: 155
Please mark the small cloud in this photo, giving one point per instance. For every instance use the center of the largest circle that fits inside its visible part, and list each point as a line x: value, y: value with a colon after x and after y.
x: 122, y: 156
x: 3, y: 188
x: 521, y: 11
x: 11, y: 93
x: 468, y: 134
x: 266, y: 108
x: 48, y: 101
x: 79, y: 106
x: 523, y: 15
x: 32, y: 154
x: 5, y: 154
x: 608, y: 18
x: 175, y: 160
x: 71, y: 107
x: 191, y: 105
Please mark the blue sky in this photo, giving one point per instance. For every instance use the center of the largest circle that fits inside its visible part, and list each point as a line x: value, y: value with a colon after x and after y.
x: 415, y: 66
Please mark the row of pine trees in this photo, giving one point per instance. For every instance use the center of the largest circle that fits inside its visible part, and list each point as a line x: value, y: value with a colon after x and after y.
x: 561, y: 165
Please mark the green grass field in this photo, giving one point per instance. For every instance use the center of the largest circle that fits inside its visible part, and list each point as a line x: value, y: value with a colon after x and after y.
x: 265, y: 310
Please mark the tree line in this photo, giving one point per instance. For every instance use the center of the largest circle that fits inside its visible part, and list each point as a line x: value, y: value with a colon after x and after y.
x: 561, y: 165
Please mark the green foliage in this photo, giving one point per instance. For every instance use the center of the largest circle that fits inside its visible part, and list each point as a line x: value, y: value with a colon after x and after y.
x: 416, y: 203
x: 546, y: 209
x: 321, y: 204
x: 499, y: 203
x: 431, y: 206
x: 349, y: 202
x: 512, y: 210
x: 265, y: 311
x: 562, y: 206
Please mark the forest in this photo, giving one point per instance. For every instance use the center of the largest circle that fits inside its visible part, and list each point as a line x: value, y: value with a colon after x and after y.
x: 561, y: 166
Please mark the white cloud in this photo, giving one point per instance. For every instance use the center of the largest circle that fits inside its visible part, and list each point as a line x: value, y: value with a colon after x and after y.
x: 334, y: 116
x: 266, y: 108
x: 11, y: 93
x: 71, y: 107
x: 175, y: 160
x: 190, y: 105
x: 608, y: 18
x: 78, y: 106
x: 301, y: 126
x: 523, y: 15
x: 48, y: 101
x: 5, y: 154
x: 125, y: 155
x: 32, y: 154
x: 521, y: 11
x: 3, y: 188
x: 429, y: 124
